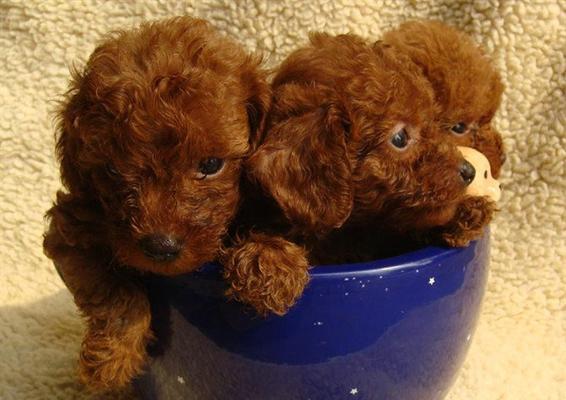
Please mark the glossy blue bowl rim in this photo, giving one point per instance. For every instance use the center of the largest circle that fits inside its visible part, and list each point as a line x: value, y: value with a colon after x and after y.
x: 405, y: 262
x: 386, y: 267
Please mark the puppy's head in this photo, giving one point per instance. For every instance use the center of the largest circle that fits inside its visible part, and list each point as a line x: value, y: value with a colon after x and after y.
x: 155, y: 130
x: 352, y: 137
x: 467, y: 87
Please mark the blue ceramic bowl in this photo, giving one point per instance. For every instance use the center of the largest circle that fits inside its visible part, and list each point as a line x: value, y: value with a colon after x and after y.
x: 396, y: 328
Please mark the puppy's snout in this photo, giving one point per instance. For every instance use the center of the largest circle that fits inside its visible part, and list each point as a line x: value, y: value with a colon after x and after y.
x: 160, y: 247
x: 467, y: 172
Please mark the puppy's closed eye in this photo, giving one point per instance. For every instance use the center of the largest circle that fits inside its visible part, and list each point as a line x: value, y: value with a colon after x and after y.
x: 112, y: 171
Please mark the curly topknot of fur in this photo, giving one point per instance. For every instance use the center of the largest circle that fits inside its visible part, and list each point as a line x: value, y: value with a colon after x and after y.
x: 267, y: 273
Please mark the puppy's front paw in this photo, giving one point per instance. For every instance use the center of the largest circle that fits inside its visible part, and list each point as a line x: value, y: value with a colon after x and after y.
x: 267, y: 273
x: 472, y: 216
x: 114, y: 352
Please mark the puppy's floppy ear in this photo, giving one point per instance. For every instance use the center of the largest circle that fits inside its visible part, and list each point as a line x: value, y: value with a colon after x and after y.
x: 257, y: 100
x: 303, y: 164
x: 94, y: 95
x: 69, y: 141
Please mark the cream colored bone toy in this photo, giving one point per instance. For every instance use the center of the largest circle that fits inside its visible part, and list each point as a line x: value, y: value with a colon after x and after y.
x: 483, y: 184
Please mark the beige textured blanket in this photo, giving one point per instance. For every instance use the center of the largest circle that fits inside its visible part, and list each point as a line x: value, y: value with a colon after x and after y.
x: 519, y: 350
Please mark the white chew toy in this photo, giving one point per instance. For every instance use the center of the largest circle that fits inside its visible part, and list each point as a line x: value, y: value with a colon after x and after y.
x: 483, y: 184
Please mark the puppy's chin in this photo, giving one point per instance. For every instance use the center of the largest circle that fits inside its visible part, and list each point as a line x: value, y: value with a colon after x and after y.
x: 434, y: 217
x: 185, y: 262
x: 418, y: 219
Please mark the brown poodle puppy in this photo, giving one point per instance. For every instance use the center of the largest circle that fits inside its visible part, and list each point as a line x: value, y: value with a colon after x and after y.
x: 466, y: 85
x: 350, y: 142
x: 151, y: 140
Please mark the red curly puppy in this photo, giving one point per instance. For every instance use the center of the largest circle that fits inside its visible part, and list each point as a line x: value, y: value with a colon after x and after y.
x: 151, y: 140
x: 350, y: 144
x: 466, y: 85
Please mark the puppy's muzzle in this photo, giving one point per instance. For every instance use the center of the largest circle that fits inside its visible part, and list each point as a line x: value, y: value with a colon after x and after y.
x: 160, y: 247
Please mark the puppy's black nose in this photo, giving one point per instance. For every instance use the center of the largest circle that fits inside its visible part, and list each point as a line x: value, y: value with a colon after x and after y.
x: 160, y: 247
x: 467, y: 172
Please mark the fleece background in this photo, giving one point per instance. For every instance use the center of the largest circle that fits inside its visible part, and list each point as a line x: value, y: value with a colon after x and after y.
x: 519, y: 350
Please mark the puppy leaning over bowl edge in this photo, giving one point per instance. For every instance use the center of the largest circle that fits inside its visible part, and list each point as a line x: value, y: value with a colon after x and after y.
x: 151, y: 139
x: 351, y: 144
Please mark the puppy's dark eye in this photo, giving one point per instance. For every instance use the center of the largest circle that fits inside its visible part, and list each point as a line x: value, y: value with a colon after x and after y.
x: 460, y: 128
x: 210, y: 166
x: 400, y: 139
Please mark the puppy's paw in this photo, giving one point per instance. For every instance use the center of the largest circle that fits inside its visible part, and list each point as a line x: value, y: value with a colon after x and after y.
x: 268, y: 273
x: 114, y: 352
x: 472, y: 216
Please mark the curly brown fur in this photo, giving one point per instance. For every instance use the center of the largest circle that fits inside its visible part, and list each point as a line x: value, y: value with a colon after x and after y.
x: 471, y: 218
x: 329, y: 157
x: 266, y: 272
x: 139, y: 122
x: 466, y: 85
x: 115, y: 308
